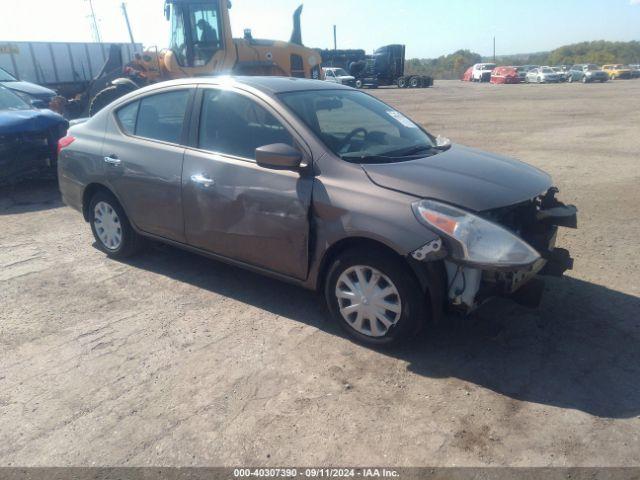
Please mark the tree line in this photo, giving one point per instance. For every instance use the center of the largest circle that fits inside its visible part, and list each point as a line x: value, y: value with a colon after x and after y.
x: 600, y: 52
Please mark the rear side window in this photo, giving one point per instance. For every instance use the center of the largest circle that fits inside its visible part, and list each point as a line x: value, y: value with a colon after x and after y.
x: 127, y: 117
x: 233, y: 124
x: 161, y: 116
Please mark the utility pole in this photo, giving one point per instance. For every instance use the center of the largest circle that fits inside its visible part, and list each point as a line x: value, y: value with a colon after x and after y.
x: 126, y: 19
x: 94, y: 23
x: 494, y: 49
x: 335, y: 37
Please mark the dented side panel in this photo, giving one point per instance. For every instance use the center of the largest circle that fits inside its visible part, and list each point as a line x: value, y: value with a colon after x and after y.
x: 249, y: 213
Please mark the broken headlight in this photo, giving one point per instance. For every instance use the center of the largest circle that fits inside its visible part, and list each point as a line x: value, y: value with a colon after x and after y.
x: 474, y: 240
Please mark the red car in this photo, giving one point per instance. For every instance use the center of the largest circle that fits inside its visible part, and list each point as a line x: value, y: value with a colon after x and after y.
x: 505, y: 75
x: 467, y: 75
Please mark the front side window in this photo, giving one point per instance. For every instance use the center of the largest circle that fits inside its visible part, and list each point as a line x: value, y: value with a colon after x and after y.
x: 195, y: 33
x: 358, y: 127
x: 161, y: 116
x: 178, y: 36
x: 235, y: 125
x: 205, y: 32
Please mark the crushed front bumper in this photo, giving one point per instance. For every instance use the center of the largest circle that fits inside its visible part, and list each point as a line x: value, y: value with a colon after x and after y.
x: 537, y: 222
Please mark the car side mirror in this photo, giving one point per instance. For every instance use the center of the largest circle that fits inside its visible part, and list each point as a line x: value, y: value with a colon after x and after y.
x: 278, y: 156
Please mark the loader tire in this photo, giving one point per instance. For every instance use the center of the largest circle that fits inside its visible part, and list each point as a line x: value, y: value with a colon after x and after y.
x: 105, y: 97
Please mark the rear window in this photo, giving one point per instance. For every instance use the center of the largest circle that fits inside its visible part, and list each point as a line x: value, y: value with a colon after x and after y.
x: 127, y: 117
x: 157, y: 117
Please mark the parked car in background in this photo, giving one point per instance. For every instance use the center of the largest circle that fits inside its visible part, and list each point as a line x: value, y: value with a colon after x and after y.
x: 617, y: 71
x: 39, y: 97
x: 542, y: 75
x: 321, y: 185
x: 523, y: 69
x: 635, y: 71
x: 587, y: 73
x: 482, y: 72
x: 561, y: 72
x: 468, y: 75
x: 338, y: 75
x: 28, y: 137
x: 503, y: 75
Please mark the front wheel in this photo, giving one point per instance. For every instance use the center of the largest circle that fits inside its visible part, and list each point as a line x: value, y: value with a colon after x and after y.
x: 111, y: 228
x: 359, y: 84
x: 374, y: 297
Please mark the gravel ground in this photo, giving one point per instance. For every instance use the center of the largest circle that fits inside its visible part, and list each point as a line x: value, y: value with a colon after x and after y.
x: 174, y: 360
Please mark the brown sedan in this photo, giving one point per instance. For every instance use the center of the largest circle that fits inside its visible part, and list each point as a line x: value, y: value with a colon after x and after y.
x: 321, y: 185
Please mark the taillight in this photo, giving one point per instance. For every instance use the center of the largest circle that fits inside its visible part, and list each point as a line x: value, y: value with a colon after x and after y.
x: 64, y: 142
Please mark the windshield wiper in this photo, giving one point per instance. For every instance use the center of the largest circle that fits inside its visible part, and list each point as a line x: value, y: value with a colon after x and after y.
x: 410, y: 151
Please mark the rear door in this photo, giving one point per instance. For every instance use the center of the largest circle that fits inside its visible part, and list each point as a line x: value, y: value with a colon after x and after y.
x: 232, y: 206
x: 143, y: 152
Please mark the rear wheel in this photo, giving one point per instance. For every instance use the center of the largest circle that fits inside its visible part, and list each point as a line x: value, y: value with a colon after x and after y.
x: 111, y: 228
x: 359, y: 83
x: 374, y: 297
x: 402, y: 82
x: 415, y: 82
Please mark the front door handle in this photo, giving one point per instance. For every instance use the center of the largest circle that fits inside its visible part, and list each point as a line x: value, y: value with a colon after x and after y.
x: 202, y: 180
x: 113, y: 160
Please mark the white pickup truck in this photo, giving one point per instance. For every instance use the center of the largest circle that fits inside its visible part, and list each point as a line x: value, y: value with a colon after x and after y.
x: 338, y: 75
x: 482, y: 72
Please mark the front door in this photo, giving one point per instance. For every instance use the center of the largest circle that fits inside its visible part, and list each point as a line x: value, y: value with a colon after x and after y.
x: 143, y: 160
x: 232, y: 206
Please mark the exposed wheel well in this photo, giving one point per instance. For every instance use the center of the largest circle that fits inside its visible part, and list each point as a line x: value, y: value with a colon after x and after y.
x: 88, y: 194
x: 353, y: 243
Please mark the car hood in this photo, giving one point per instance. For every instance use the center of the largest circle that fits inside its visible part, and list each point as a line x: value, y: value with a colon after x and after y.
x: 29, y: 88
x: 462, y: 176
x: 346, y: 77
x: 27, y: 121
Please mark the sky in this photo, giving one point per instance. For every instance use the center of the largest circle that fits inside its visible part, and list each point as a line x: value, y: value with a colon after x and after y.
x: 429, y: 28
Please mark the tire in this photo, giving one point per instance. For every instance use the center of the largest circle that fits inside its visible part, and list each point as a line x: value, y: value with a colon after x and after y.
x: 402, y: 82
x: 570, y: 79
x: 129, y: 242
x: 414, y: 82
x: 405, y: 296
x: 105, y: 97
x: 359, y: 84
x: 584, y: 79
x: 540, y: 80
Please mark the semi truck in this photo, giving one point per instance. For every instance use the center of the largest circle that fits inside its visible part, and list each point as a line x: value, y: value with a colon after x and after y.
x: 385, y: 67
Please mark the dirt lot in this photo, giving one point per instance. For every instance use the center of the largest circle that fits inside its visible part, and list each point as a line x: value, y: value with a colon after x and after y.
x: 174, y: 360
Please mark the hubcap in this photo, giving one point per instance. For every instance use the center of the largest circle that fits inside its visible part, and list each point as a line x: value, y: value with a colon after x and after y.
x: 107, y: 225
x: 368, y: 300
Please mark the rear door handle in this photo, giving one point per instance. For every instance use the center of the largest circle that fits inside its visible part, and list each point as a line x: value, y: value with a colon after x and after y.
x: 202, y: 180
x: 113, y: 160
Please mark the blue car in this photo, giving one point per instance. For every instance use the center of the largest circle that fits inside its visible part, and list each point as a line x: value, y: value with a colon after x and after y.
x: 36, y: 95
x: 28, y: 137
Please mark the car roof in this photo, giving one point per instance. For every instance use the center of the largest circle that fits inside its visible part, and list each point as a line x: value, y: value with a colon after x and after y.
x: 268, y: 85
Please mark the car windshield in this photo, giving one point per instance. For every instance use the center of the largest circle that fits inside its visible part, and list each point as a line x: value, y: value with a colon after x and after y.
x: 592, y: 68
x: 488, y: 66
x: 10, y: 101
x: 341, y: 72
x: 547, y: 70
x: 359, y: 128
x: 6, y: 76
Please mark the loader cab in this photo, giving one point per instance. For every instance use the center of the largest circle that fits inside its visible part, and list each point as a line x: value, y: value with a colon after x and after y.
x: 197, y: 30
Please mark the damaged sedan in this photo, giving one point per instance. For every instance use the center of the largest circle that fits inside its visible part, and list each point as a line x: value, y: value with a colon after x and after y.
x: 28, y: 138
x: 320, y: 185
